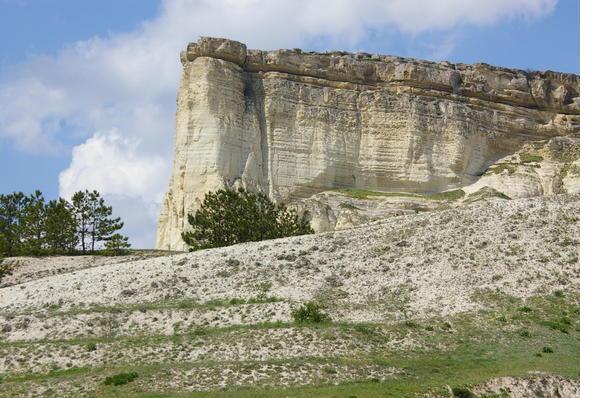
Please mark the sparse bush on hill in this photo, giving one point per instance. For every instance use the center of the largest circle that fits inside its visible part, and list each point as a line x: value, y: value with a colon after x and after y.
x: 31, y: 226
x: 121, y: 378
x: 309, y: 313
x: 227, y: 217
x: 89, y: 347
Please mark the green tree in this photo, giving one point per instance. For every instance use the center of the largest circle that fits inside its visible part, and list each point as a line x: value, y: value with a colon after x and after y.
x: 93, y: 219
x: 105, y: 226
x: 81, y: 211
x: 227, y: 217
x: 60, y: 227
x: 117, y: 244
x: 32, y: 223
x: 11, y: 218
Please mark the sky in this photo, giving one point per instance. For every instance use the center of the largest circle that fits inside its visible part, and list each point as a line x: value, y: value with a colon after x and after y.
x: 88, y: 88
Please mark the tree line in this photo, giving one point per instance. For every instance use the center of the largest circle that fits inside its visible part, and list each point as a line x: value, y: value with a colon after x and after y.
x: 29, y: 225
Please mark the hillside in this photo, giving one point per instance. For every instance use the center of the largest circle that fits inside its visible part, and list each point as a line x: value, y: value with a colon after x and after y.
x: 481, y: 295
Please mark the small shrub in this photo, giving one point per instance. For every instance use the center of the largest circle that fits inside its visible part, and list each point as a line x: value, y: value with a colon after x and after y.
x: 524, y: 309
x: 547, y: 350
x: 411, y: 324
x: 89, y: 347
x: 524, y: 333
x: 309, y: 313
x: 121, y: 378
x: 559, y: 293
x: 462, y: 392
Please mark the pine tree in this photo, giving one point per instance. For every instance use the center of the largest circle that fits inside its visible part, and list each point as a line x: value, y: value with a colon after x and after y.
x: 93, y: 219
x: 60, y: 227
x: 95, y: 202
x: 80, y: 208
x: 32, y: 224
x: 102, y: 226
x: 117, y: 244
x: 227, y: 217
x: 11, y: 218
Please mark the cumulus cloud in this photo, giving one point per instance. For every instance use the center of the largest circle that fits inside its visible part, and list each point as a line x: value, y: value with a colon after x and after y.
x: 111, y: 164
x: 117, y: 94
x: 131, y: 181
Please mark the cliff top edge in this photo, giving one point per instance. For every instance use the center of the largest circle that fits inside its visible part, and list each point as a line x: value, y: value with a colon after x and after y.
x: 260, y: 60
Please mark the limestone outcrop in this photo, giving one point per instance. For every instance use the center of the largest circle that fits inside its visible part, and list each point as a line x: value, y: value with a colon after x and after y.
x: 294, y: 124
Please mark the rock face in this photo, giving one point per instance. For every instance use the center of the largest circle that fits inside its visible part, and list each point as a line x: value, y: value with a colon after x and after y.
x: 293, y: 124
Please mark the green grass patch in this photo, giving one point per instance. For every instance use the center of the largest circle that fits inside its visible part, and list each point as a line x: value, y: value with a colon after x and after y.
x: 180, y: 304
x: 447, y: 195
x: 530, y: 158
x: 485, y: 194
x: 500, y: 168
x: 366, y: 194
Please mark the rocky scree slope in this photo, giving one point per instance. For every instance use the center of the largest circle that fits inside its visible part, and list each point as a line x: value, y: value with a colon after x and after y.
x: 437, y: 287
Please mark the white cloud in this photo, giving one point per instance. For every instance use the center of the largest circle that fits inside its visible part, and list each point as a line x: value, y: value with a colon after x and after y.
x: 123, y: 87
x: 112, y: 164
x: 132, y: 182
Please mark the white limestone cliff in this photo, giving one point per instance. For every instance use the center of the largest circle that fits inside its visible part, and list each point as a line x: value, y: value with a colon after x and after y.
x: 293, y: 124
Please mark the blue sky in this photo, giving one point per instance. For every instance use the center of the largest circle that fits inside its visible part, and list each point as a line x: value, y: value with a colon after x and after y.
x: 87, y: 88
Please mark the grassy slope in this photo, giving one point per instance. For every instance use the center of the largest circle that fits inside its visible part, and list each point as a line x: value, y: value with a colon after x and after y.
x: 464, y: 349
